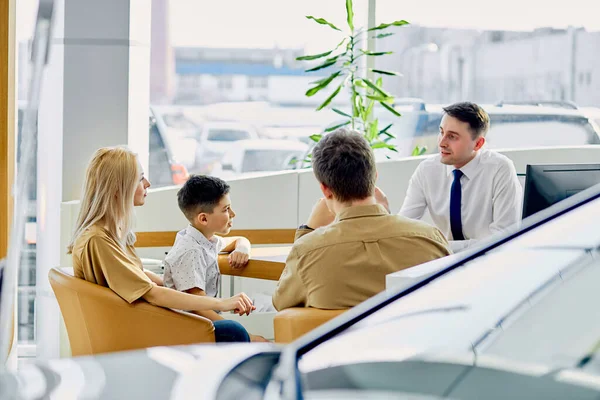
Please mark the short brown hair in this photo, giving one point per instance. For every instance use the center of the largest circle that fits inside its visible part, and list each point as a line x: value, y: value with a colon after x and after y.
x: 472, y: 114
x: 201, y: 194
x: 344, y: 162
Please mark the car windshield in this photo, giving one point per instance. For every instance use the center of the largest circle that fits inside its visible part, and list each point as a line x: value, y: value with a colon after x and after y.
x: 551, y: 340
x: 268, y: 160
x: 227, y: 135
x: 179, y: 121
x: 546, y: 321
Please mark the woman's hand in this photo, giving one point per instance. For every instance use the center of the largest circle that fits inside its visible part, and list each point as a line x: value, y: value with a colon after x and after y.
x: 239, y: 304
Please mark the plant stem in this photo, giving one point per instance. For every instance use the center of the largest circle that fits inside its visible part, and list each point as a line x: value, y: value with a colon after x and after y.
x: 352, y: 86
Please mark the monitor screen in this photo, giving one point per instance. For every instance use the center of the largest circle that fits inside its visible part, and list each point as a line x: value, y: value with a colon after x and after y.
x: 546, y: 185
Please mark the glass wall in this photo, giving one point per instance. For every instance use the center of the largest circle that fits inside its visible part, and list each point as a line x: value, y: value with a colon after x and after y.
x: 240, y: 79
x: 26, y: 295
x: 228, y: 93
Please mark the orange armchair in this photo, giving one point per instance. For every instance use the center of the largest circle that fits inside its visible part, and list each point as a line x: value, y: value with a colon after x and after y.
x: 99, y: 321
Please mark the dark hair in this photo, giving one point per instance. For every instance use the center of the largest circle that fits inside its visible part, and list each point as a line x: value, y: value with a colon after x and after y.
x: 472, y: 114
x: 201, y: 193
x: 344, y: 162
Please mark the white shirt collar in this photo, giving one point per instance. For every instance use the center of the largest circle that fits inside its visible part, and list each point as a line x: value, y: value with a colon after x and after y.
x: 199, y: 237
x: 470, y: 169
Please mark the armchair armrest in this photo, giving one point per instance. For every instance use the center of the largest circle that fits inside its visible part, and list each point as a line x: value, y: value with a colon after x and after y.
x: 259, y: 269
x: 292, y: 323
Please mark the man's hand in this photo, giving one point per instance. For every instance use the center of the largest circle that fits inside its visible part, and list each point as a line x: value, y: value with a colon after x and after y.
x: 258, y: 338
x: 320, y: 215
x: 381, y: 198
x: 238, y: 259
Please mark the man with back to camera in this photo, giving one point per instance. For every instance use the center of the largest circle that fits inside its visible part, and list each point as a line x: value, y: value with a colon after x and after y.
x: 350, y: 242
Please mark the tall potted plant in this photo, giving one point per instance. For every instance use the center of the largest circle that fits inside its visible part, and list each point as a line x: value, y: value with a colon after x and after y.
x: 347, y: 73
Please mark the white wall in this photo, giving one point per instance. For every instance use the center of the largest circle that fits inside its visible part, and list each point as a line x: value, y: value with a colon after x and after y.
x: 284, y: 200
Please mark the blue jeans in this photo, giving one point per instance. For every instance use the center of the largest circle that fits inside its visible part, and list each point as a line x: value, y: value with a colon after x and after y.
x: 230, y: 331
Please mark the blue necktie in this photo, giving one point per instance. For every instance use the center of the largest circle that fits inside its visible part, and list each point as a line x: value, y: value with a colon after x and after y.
x: 455, y: 202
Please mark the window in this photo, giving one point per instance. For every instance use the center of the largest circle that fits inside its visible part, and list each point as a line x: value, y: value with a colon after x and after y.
x: 268, y: 160
x: 227, y: 135
x: 225, y: 82
x: 258, y: 82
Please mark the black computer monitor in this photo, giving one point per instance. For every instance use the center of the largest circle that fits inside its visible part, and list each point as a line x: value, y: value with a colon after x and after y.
x: 546, y: 185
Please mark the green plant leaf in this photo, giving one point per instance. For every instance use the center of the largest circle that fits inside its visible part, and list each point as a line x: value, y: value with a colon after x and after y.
x: 322, y: 84
x: 380, y: 98
x: 419, y: 151
x: 390, y: 109
x: 350, y: 14
x: 330, y: 98
x: 360, y: 83
x: 369, y: 109
x: 343, y: 114
x: 333, y: 128
x: 395, y: 23
x: 385, y: 130
x: 384, y: 35
x: 376, y: 88
x: 383, y: 145
x: 361, y: 108
x: 323, y: 22
x: 373, y: 130
x: 379, y: 71
x: 337, y: 73
x: 375, y: 53
x: 314, y: 56
x: 328, y: 63
x: 315, y: 138
x: 355, y: 106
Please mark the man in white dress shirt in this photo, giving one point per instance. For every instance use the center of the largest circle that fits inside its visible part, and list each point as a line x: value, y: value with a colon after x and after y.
x: 470, y: 192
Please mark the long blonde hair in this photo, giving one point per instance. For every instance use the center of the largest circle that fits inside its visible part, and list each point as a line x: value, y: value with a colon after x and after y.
x: 111, y: 179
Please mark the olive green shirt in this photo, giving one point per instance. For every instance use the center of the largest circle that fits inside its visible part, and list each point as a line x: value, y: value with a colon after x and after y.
x: 100, y: 259
x: 341, y: 265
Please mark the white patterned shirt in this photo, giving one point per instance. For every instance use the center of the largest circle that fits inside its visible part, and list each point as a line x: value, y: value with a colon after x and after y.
x: 193, y: 262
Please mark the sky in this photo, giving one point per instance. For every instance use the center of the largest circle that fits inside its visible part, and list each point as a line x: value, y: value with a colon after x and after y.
x: 268, y: 23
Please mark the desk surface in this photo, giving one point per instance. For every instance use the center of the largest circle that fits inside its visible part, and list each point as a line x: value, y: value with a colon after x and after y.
x: 265, y: 263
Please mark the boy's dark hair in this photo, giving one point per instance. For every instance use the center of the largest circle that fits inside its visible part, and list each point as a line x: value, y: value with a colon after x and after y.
x: 200, y: 194
x: 344, y: 162
x: 472, y: 114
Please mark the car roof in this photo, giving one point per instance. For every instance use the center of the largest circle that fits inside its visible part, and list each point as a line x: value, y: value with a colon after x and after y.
x: 228, y: 125
x: 270, y: 144
x: 512, y: 109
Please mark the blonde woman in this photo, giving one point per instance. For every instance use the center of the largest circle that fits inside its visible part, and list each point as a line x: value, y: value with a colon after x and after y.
x: 102, y: 245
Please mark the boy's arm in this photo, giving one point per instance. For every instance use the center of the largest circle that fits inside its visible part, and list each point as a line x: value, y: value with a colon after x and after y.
x: 210, y: 314
x: 239, y: 243
x: 239, y: 247
x: 154, y: 278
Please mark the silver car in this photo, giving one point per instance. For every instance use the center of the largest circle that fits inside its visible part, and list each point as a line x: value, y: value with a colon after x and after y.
x: 515, y: 318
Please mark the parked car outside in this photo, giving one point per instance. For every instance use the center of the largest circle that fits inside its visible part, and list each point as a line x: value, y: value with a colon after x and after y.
x: 518, y: 126
x: 179, y: 132
x: 259, y: 155
x: 215, y: 138
x: 163, y: 168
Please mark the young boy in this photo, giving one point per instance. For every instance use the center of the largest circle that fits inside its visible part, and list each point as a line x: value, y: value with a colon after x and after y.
x: 192, y: 264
